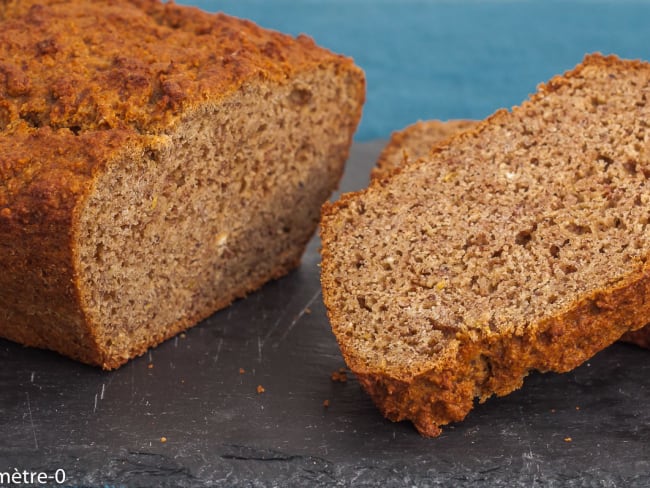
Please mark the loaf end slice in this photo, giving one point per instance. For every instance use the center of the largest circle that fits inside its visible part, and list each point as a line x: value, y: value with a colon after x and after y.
x: 519, y: 245
x: 414, y: 142
x: 156, y: 163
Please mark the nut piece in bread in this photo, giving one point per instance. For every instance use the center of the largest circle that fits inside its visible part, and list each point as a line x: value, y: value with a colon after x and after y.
x: 156, y: 163
x: 521, y: 244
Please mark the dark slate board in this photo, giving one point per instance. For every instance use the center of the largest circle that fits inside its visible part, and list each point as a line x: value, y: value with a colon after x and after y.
x: 590, y: 427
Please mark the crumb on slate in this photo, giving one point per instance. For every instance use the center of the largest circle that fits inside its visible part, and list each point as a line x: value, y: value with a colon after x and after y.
x: 340, y: 376
x: 260, y: 389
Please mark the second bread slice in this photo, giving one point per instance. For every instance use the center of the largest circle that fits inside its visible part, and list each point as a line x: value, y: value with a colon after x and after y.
x: 519, y: 245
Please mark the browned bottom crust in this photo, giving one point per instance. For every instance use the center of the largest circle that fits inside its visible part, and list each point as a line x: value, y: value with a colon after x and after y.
x: 499, y: 365
x: 639, y: 337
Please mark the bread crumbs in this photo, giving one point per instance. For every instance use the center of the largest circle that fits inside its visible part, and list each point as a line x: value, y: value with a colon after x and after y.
x: 260, y: 389
x: 341, y: 376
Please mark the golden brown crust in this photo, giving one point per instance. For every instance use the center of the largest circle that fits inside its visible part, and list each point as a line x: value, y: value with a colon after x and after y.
x: 84, y: 85
x: 115, y: 64
x: 132, y: 66
x: 484, y: 361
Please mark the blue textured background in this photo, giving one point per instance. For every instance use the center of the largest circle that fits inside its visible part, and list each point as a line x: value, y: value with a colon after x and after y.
x: 453, y: 59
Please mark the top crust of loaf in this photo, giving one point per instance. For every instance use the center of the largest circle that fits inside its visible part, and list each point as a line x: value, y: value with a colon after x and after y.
x: 87, y: 78
x: 413, y: 266
x: 97, y: 65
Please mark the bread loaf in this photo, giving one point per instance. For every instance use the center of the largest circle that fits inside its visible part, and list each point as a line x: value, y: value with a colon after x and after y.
x: 416, y: 140
x: 521, y: 244
x: 156, y: 163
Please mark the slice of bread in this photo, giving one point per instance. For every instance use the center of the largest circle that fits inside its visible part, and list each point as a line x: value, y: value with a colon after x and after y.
x: 521, y: 244
x: 156, y: 163
x: 417, y: 140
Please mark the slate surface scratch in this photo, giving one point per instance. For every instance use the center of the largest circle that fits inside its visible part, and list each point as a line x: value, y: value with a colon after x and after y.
x: 107, y: 428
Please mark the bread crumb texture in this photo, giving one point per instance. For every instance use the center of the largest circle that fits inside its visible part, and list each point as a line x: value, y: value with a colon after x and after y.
x: 536, y: 223
x: 417, y: 140
x: 414, y: 142
x: 156, y: 163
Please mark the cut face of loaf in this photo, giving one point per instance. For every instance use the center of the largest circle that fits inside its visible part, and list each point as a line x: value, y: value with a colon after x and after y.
x: 416, y: 140
x: 177, y: 161
x: 519, y: 245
